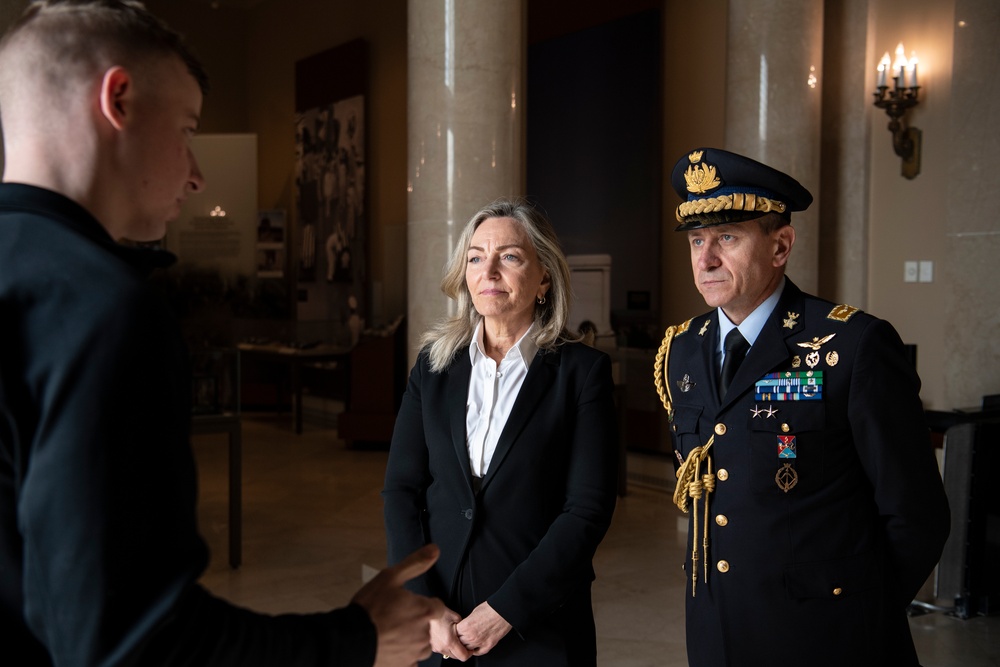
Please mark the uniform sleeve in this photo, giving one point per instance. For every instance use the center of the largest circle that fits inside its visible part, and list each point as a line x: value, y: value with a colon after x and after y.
x: 893, y: 442
x: 406, y: 480
x: 564, y: 556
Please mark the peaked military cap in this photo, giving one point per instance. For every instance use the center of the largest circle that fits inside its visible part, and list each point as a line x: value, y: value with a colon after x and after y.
x: 719, y: 187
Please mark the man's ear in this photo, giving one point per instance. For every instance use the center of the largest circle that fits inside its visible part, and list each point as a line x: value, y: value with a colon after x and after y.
x: 784, y: 239
x: 116, y: 96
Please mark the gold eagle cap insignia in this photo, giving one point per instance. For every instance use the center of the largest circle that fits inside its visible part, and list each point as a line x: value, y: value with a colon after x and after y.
x: 695, y: 156
x: 702, y: 178
x: 817, y: 342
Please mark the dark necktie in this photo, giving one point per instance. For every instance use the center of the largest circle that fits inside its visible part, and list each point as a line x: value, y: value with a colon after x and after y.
x: 736, y: 349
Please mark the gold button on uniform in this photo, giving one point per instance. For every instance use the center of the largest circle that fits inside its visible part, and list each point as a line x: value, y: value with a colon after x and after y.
x: 722, y: 566
x: 720, y: 429
x: 838, y: 590
x: 723, y: 474
x: 785, y: 428
x: 721, y: 519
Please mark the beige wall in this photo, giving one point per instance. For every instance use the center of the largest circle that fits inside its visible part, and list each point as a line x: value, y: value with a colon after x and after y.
x: 907, y: 217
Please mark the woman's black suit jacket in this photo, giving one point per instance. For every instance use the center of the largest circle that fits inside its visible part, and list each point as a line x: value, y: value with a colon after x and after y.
x: 525, y: 542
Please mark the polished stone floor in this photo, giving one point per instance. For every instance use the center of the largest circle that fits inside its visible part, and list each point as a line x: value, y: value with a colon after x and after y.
x: 312, y: 529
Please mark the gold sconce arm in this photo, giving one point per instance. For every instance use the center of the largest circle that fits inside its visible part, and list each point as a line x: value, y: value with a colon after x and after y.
x: 905, y: 140
x: 897, y: 100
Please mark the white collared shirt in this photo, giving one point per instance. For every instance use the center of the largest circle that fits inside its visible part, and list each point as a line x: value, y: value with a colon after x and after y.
x: 492, y: 391
x: 751, y: 326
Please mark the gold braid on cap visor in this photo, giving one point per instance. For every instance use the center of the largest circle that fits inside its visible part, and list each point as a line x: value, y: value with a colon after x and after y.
x: 738, y: 201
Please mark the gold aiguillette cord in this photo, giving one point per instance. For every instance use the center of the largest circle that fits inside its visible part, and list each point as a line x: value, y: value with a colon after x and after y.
x: 691, y: 484
x: 708, y: 481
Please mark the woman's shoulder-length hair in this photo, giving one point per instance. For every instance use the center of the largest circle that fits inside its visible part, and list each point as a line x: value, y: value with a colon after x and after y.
x: 445, y: 338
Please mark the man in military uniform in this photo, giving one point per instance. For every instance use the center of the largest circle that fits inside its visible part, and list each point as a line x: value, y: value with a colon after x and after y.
x: 817, y: 510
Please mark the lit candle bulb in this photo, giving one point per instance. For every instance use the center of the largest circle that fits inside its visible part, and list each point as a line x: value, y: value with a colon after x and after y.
x: 883, y: 66
x: 900, y: 65
x: 913, y: 69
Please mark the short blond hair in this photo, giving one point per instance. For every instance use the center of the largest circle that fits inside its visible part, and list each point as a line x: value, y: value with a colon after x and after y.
x: 57, y: 42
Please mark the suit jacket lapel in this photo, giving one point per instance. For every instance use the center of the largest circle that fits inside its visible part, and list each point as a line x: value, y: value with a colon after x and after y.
x: 770, y: 349
x: 536, y: 384
x: 456, y: 400
x: 707, y: 358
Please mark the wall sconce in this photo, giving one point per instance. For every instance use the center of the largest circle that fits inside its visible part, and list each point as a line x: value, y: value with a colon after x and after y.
x: 896, y: 100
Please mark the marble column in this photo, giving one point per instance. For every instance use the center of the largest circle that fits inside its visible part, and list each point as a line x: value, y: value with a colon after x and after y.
x: 773, y: 85
x: 971, y: 365
x: 465, y: 117
x: 848, y: 83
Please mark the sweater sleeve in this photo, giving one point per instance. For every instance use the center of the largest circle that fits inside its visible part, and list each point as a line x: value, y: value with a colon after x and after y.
x: 107, y: 504
x: 204, y: 630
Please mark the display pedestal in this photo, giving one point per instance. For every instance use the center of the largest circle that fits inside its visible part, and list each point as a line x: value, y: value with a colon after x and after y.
x: 378, y: 378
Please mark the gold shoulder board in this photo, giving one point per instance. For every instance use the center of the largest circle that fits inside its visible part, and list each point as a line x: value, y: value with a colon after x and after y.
x: 842, y: 313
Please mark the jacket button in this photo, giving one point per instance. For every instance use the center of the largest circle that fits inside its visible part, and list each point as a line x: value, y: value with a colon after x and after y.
x: 722, y: 566
x: 838, y: 590
x: 785, y: 428
x: 468, y: 514
x: 721, y: 519
x: 720, y: 429
x: 722, y: 474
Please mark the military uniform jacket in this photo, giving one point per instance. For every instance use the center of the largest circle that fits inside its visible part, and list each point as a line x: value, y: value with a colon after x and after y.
x: 820, y: 573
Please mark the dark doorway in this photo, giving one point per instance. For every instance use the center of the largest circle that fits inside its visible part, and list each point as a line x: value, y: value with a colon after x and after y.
x: 594, y: 153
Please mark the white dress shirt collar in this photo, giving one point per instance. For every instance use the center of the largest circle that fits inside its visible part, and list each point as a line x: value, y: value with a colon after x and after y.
x: 752, y: 325
x: 524, y: 349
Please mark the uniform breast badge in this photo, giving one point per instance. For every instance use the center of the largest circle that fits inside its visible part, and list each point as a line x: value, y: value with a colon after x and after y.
x: 786, y: 477
x: 816, y: 342
x: 685, y: 384
x: 796, y: 361
x: 832, y: 358
x: 812, y: 359
x: 789, y: 386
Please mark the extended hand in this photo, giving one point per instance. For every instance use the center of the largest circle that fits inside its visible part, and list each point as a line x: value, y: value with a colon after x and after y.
x: 402, y: 619
x: 482, y: 629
